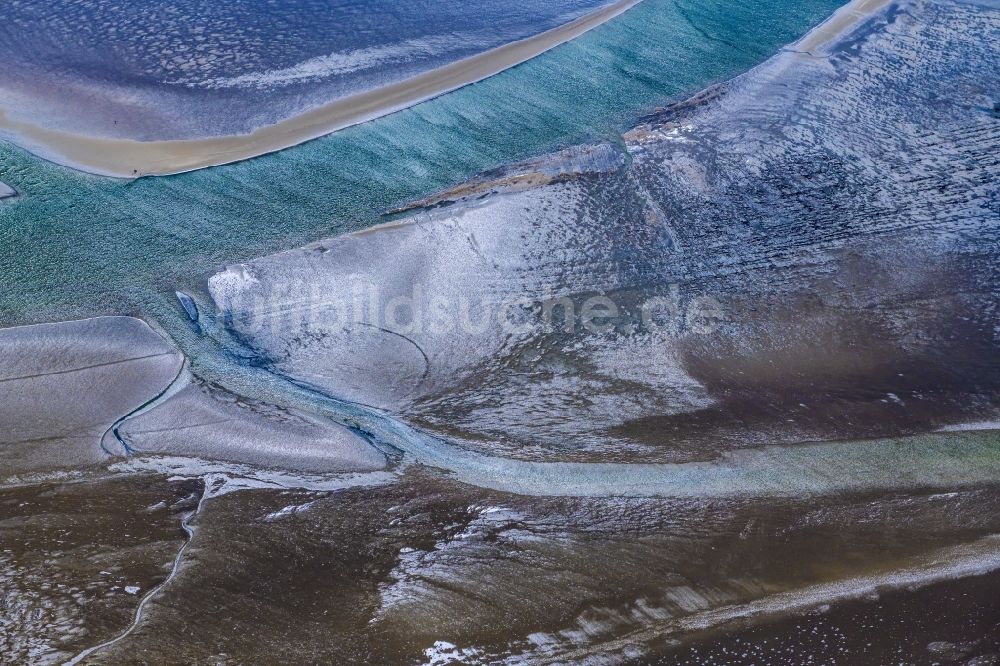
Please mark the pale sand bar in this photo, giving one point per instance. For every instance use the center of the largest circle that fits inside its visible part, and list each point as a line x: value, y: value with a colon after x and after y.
x: 64, y: 386
x: 209, y: 423
x: 128, y: 158
x: 843, y: 20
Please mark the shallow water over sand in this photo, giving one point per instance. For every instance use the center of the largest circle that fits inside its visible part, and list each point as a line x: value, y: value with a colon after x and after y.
x: 74, y: 245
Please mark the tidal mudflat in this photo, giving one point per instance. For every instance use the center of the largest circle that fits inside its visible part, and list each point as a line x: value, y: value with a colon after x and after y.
x: 720, y: 389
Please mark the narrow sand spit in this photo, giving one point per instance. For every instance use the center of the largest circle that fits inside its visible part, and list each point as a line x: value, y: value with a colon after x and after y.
x: 839, y: 23
x: 127, y: 158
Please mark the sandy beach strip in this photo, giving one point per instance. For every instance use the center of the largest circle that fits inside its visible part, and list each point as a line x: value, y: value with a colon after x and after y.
x: 840, y: 22
x: 130, y: 158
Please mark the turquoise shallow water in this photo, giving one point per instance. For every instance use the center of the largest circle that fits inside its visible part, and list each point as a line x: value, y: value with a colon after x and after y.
x: 75, y: 245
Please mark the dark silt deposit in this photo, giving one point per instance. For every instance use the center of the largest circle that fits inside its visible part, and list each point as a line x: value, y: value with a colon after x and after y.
x: 954, y: 622
x: 724, y: 391
x: 398, y: 573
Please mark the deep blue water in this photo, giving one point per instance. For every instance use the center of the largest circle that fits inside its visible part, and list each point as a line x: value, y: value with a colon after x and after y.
x: 179, y: 68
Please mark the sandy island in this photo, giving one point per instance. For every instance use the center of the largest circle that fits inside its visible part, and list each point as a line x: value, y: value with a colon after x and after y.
x: 129, y: 158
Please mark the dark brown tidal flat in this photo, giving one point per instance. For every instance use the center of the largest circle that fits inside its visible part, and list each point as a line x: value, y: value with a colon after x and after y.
x: 75, y: 558
x: 955, y: 622
x: 395, y: 574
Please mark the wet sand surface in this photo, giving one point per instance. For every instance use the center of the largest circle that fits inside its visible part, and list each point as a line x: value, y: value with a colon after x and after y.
x: 63, y: 386
x: 560, y: 497
x: 203, y: 421
x: 841, y: 235
x: 75, y: 558
x: 955, y: 622
x: 399, y: 574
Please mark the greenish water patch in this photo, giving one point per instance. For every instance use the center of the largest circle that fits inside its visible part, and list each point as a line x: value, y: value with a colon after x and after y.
x: 76, y: 245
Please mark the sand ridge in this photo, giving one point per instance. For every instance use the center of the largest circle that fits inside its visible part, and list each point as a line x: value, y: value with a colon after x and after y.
x: 129, y: 158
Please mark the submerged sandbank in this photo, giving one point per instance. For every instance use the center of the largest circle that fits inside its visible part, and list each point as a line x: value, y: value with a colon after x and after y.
x: 130, y: 158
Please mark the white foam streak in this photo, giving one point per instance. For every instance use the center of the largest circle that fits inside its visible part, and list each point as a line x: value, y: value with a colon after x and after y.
x: 335, y: 64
